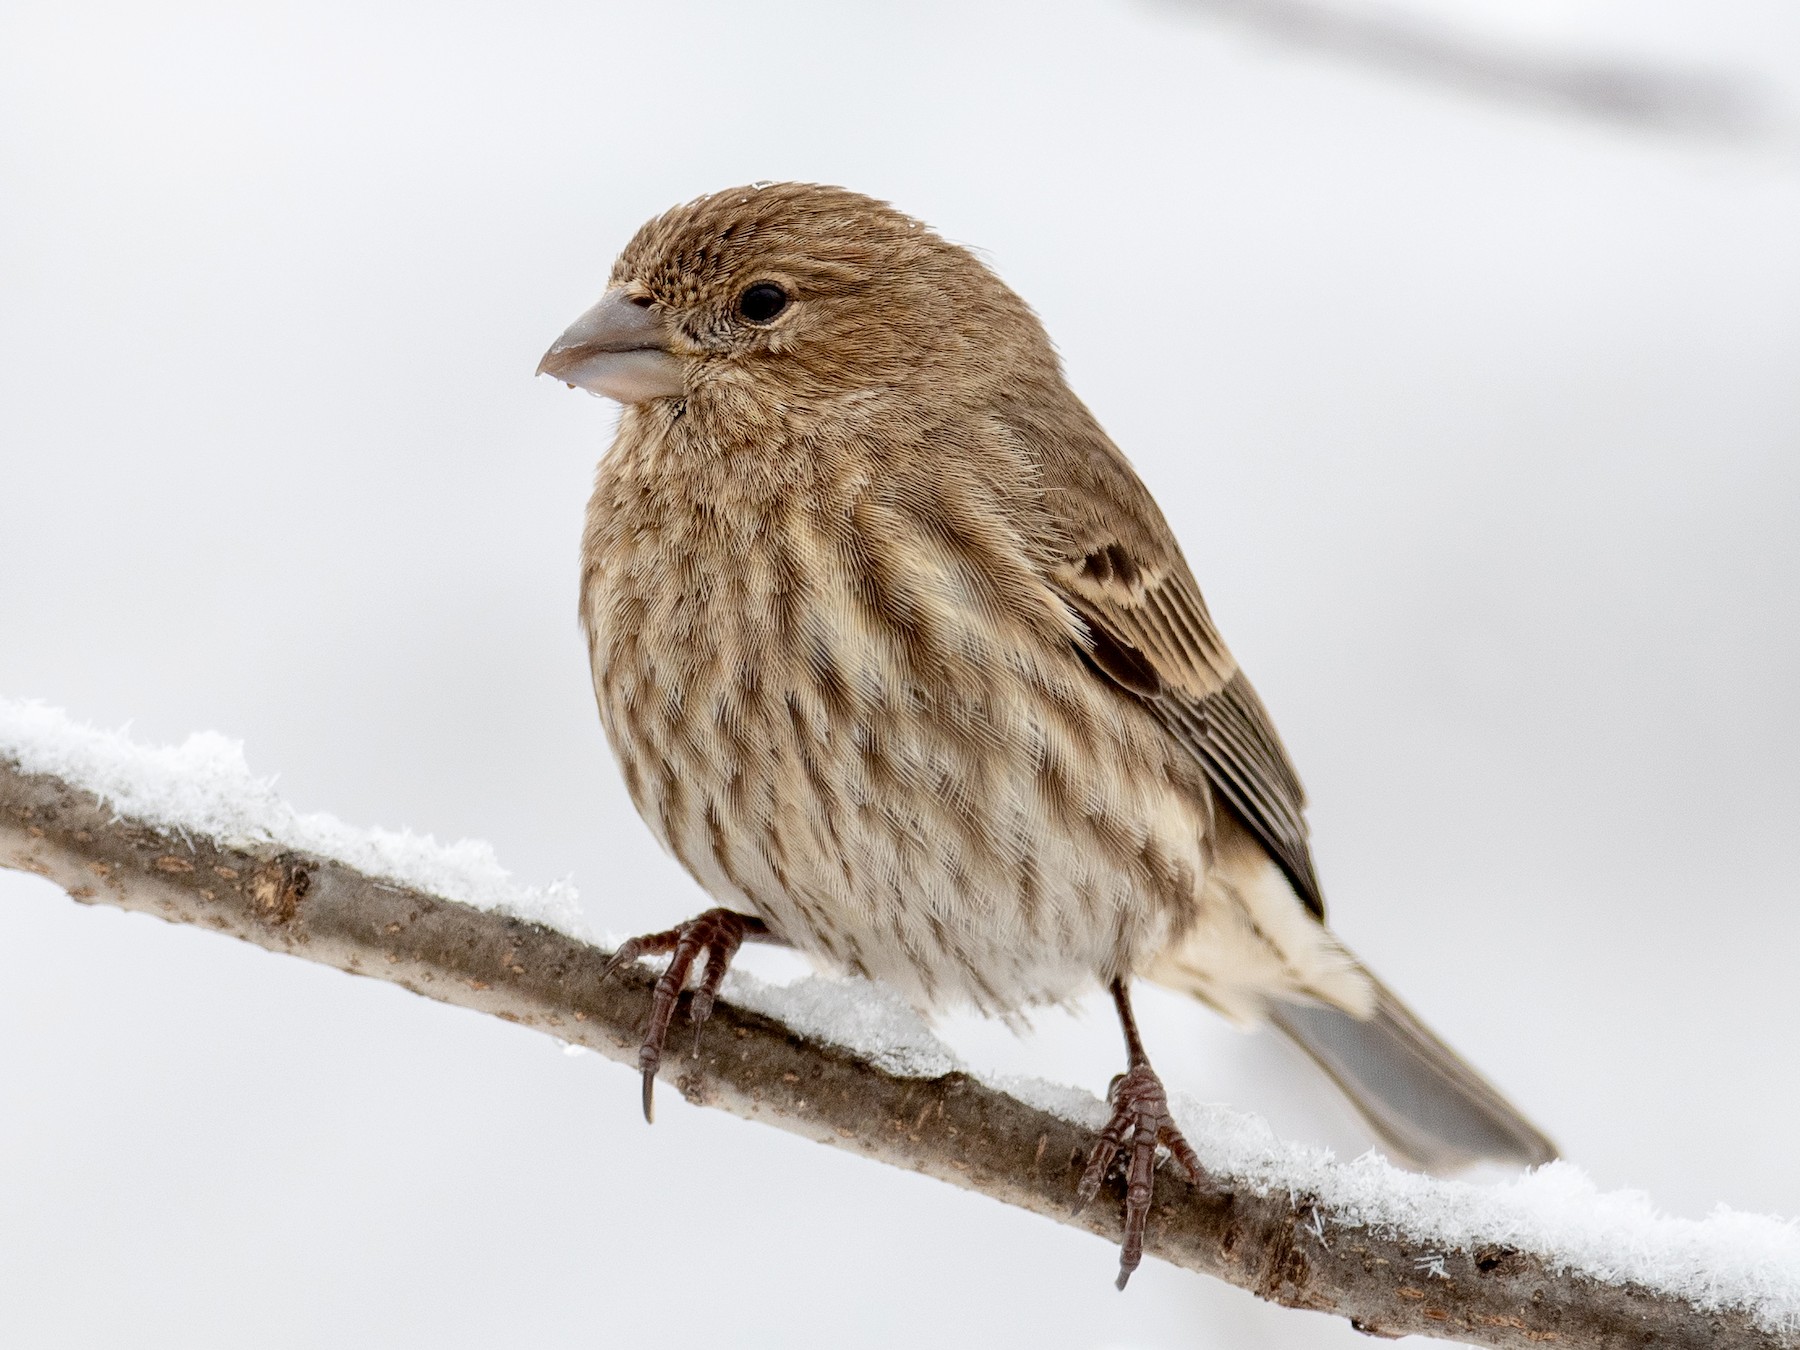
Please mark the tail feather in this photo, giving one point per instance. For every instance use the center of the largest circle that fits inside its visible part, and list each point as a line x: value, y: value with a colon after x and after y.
x: 1430, y: 1108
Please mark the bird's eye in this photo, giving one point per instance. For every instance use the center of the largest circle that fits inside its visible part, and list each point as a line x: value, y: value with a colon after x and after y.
x: 762, y: 302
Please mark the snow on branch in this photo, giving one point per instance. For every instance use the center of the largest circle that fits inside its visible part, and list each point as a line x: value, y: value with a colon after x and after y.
x: 188, y: 834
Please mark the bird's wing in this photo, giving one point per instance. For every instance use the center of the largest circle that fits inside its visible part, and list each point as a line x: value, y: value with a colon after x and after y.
x: 1116, y: 563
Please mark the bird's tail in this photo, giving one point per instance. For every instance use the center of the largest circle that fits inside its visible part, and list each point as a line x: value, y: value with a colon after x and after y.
x: 1431, y: 1110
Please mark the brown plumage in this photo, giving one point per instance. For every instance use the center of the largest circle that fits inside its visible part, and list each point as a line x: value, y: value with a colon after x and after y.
x: 903, y: 663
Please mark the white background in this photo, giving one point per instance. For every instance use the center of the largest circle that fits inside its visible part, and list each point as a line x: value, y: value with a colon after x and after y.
x: 1480, y: 422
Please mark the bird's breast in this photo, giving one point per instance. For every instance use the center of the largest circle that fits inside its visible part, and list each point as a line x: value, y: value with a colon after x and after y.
x: 837, y: 716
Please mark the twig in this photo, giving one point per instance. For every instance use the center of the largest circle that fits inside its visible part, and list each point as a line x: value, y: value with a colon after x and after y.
x: 1288, y: 1248
x: 1613, y: 89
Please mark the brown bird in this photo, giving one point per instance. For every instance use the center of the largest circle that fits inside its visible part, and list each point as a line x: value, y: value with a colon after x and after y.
x: 902, y: 662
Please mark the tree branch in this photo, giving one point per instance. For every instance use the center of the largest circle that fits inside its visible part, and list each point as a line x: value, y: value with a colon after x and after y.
x: 1293, y: 1249
x: 1410, y: 44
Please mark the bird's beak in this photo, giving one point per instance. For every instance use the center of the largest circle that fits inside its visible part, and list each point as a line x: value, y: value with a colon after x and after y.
x: 619, y: 348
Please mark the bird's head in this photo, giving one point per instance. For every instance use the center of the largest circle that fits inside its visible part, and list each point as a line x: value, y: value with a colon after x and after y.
x: 796, y: 296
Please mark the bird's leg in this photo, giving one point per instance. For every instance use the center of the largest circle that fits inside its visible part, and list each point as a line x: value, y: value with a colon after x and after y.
x: 1140, y: 1121
x: 719, y: 933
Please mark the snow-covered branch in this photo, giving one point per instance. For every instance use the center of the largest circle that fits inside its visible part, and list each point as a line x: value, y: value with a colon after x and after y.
x: 187, y: 834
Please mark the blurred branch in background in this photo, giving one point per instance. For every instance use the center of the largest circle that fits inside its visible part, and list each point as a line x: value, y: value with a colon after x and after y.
x: 1718, y: 103
x: 1274, y: 1235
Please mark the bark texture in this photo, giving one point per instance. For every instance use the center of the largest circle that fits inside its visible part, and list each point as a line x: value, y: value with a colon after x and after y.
x: 1289, y: 1250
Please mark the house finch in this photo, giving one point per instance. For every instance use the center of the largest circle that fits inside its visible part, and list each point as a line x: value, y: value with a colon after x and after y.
x: 902, y: 662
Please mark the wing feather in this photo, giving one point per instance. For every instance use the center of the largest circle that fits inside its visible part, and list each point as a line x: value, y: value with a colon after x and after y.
x: 1154, y: 640
x: 1109, y: 552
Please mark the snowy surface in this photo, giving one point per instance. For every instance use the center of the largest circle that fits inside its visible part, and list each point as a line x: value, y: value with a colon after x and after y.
x: 854, y: 1013
x: 204, y: 787
x: 1727, y: 1260
x: 1730, y: 1259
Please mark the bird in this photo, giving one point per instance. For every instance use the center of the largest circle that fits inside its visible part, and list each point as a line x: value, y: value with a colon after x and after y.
x: 901, y: 661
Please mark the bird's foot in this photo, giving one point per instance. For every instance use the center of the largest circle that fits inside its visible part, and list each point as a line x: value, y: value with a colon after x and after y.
x: 1140, y: 1121
x: 719, y: 933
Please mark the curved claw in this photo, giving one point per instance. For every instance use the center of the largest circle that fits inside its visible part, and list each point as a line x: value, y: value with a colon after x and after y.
x: 1140, y: 1122
x: 719, y: 933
